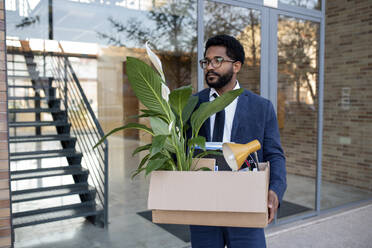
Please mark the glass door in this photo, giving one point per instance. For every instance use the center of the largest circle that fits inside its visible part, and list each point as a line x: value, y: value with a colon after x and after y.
x: 282, y: 54
x: 297, y: 109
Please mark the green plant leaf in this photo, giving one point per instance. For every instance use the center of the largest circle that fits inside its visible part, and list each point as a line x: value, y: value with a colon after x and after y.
x: 210, y: 152
x: 151, y: 112
x: 159, y: 126
x: 179, y: 97
x: 155, y: 165
x: 207, y: 109
x: 146, y: 84
x: 162, y: 128
x: 158, y: 155
x: 146, y: 112
x: 128, y: 126
x: 189, y: 108
x: 168, y: 145
x: 140, y: 166
x: 157, y: 144
x: 199, y: 140
x: 136, y: 172
x: 143, y: 161
x: 203, y: 169
x: 141, y: 148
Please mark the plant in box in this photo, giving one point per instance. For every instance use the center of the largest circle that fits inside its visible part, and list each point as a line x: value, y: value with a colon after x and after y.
x: 171, y: 114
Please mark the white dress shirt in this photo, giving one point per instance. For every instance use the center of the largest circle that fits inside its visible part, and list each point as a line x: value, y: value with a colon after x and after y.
x: 229, y: 115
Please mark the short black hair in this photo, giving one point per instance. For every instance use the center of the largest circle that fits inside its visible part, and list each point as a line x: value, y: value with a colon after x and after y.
x: 234, y: 49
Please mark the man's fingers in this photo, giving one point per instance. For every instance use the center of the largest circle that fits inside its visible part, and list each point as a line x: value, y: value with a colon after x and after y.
x: 270, y: 202
x: 271, y: 214
x: 272, y: 205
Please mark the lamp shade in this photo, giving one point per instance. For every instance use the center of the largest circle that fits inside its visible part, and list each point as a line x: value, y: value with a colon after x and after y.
x: 236, y: 154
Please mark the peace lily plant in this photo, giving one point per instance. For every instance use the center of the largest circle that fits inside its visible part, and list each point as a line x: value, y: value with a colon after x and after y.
x: 172, y: 114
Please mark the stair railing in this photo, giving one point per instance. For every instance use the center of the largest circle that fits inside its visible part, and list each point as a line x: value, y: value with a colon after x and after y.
x: 84, y: 125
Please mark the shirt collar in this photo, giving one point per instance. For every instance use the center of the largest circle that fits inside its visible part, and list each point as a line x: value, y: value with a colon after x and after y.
x: 213, y: 90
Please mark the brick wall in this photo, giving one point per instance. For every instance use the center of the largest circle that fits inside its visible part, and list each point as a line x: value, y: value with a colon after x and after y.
x: 5, y: 223
x: 347, y: 154
x: 347, y: 140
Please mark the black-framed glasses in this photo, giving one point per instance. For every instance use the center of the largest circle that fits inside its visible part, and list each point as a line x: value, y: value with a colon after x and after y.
x: 216, y: 62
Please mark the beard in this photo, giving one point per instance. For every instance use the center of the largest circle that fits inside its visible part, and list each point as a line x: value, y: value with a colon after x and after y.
x: 222, y: 80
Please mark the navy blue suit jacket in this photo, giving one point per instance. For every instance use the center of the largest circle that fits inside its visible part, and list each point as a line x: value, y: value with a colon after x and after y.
x: 255, y: 118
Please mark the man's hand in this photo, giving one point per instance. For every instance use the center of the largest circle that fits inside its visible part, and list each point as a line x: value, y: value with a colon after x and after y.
x: 272, y: 204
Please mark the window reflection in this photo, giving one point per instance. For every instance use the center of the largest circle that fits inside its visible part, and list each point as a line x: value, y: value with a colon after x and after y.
x: 107, y: 32
x: 170, y: 28
x: 310, y: 4
x: 298, y: 106
x: 244, y: 24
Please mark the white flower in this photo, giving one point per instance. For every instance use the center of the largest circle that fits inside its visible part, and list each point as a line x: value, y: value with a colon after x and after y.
x: 155, y: 61
x: 165, y: 92
x: 178, y: 133
x: 170, y: 126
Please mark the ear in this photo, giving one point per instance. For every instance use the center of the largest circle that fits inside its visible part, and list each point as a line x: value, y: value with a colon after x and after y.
x: 237, y: 66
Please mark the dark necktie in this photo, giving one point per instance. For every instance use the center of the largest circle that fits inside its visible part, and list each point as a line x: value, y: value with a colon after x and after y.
x: 219, y: 125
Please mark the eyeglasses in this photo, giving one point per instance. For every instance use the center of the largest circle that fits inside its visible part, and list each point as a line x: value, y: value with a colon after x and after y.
x: 216, y: 62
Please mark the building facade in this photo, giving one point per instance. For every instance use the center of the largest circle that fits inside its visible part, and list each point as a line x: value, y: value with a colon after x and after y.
x: 312, y: 59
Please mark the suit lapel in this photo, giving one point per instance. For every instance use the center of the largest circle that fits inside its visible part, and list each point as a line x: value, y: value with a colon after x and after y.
x: 241, y: 107
x: 205, y: 129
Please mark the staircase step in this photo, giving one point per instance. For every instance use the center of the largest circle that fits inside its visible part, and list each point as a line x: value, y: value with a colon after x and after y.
x: 38, y: 123
x: 21, y: 86
x: 12, y: 154
x: 14, y: 70
x: 20, y: 62
x: 31, y: 98
x: 48, y: 172
x: 55, y: 214
x: 35, y: 110
x: 17, y: 156
x: 22, y: 73
x: 18, y: 76
x: 39, y: 138
x: 51, y: 192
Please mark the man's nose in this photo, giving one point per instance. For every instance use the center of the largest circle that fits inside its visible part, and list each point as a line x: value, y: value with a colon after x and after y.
x: 209, y: 66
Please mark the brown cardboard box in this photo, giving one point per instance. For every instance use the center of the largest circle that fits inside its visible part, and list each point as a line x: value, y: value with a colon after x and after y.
x: 223, y: 198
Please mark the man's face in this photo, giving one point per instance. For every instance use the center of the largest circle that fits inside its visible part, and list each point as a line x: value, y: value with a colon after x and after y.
x: 218, y: 77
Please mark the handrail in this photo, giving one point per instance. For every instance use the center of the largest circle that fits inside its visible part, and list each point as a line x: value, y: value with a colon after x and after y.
x: 85, y: 126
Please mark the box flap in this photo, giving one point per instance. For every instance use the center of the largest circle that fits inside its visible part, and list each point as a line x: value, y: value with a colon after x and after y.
x: 209, y: 191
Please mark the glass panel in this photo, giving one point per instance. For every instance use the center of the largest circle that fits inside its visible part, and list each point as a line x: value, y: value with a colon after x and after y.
x: 244, y: 24
x: 106, y: 32
x: 298, y: 108
x: 310, y: 4
x: 27, y: 19
x: 98, y: 36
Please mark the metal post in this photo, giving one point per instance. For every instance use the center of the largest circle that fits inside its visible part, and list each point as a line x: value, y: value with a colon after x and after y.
x: 50, y: 19
x: 273, y: 55
x: 200, y: 30
x: 264, y: 74
x: 106, y: 186
x: 320, y: 113
x: 65, y: 85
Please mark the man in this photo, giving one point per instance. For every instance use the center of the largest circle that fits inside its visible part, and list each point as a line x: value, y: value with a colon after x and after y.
x: 247, y: 118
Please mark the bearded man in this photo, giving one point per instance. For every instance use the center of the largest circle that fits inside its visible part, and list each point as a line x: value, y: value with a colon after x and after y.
x: 247, y: 118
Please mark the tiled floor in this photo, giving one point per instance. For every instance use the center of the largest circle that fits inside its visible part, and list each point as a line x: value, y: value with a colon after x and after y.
x: 127, y: 197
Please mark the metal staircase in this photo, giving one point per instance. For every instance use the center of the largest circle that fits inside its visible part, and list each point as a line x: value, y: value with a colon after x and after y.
x: 55, y: 173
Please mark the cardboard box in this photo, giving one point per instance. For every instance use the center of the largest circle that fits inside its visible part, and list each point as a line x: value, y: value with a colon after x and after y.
x: 222, y: 198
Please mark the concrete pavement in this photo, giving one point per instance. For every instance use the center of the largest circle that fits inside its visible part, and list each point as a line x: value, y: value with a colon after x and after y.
x: 350, y: 228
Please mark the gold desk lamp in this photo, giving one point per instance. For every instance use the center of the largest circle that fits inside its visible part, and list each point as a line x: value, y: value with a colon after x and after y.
x: 236, y: 154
